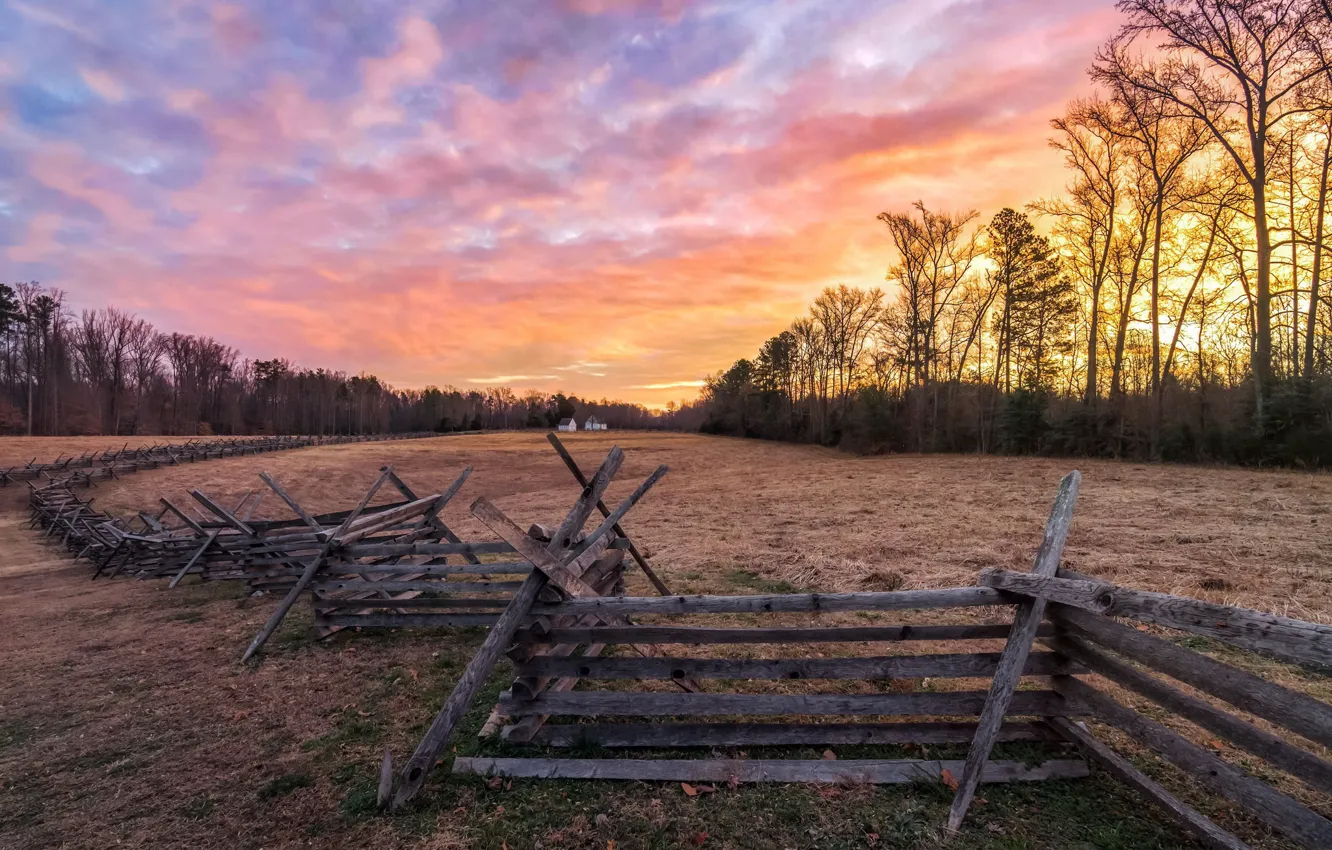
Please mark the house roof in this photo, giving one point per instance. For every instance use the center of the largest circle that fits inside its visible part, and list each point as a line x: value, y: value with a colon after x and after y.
x: 568, y: 420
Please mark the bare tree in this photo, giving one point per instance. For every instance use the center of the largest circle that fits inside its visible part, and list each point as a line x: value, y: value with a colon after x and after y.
x: 1086, y: 218
x: 1235, y: 66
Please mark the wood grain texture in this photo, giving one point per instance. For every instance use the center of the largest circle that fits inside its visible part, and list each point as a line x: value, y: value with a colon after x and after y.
x: 1026, y: 620
x: 1254, y: 795
x: 762, y: 770
x: 1300, y: 764
x: 1189, y: 819
x: 941, y: 665
x: 1285, y: 638
x: 1300, y: 713
x: 655, y: 704
x: 673, y: 735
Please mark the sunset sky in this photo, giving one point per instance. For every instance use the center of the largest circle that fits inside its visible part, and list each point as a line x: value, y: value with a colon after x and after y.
x: 605, y: 196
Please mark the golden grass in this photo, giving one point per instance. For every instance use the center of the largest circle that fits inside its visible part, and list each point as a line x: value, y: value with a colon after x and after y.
x: 117, y: 670
x: 16, y: 451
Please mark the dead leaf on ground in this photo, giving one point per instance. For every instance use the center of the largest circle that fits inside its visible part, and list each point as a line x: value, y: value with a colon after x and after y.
x: 689, y: 790
x: 699, y: 838
x: 829, y: 755
x: 495, y: 783
x: 947, y: 776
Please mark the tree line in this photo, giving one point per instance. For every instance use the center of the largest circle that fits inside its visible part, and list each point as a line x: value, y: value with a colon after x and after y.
x: 107, y: 371
x: 1170, y: 303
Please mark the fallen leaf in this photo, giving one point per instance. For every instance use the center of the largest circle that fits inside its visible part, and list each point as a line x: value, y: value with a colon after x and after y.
x: 495, y: 783
x: 732, y: 782
x: 699, y: 838
x: 415, y: 676
x: 980, y: 801
x: 829, y: 755
x: 872, y: 837
x: 830, y: 793
x: 499, y: 810
x: 1215, y: 743
x: 689, y: 790
x: 610, y: 845
x: 508, y: 786
x: 995, y: 828
x: 601, y: 820
x: 241, y: 715
x: 947, y: 777
x: 705, y: 789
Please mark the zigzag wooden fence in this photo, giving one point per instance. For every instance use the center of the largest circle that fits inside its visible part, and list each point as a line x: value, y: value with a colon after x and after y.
x: 558, y: 646
x: 91, y: 533
x: 83, y: 470
x: 395, y: 565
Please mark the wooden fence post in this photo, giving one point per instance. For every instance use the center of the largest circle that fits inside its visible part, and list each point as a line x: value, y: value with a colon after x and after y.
x: 1025, y: 622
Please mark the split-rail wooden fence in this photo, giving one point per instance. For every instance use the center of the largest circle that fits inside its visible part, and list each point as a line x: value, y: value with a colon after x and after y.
x: 1063, y: 644
x: 554, y: 603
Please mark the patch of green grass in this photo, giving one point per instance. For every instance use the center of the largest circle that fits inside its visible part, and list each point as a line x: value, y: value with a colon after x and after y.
x: 1091, y: 814
x: 14, y: 733
x: 198, y: 808
x: 754, y: 581
x: 283, y: 785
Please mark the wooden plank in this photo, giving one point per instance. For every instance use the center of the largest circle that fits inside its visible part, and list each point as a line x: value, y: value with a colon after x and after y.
x: 291, y: 503
x: 1189, y: 819
x: 941, y: 665
x: 659, y: 704
x: 384, y: 550
x: 1264, y: 802
x: 701, y: 635
x: 449, y: 572
x: 212, y: 535
x: 226, y: 516
x: 898, y: 600
x: 1300, y: 713
x: 605, y: 512
x: 1281, y: 637
x: 573, y: 523
x: 407, y: 621
x: 563, y: 576
x: 1025, y: 622
x: 763, y: 770
x: 366, y: 526
x: 674, y: 735
x: 329, y: 585
x: 316, y: 563
x: 483, y: 662
x: 183, y: 517
x: 1293, y: 760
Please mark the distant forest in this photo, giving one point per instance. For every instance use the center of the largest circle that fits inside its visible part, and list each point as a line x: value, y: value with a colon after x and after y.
x: 107, y: 371
x: 1177, y: 309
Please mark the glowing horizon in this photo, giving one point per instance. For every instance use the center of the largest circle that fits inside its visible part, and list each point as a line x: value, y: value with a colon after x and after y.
x: 606, y: 197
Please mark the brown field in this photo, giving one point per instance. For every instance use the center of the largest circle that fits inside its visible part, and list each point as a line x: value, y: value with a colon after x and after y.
x: 126, y: 720
x: 16, y: 451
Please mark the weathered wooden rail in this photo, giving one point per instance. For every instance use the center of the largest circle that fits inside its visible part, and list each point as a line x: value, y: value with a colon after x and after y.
x: 84, y: 469
x: 562, y: 650
x: 90, y: 533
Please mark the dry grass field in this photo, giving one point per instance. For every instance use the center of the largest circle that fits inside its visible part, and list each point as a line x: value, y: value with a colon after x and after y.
x: 125, y: 719
x: 16, y: 451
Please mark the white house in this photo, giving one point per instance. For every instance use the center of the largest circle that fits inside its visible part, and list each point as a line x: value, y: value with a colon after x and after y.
x: 567, y: 424
x: 594, y: 424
